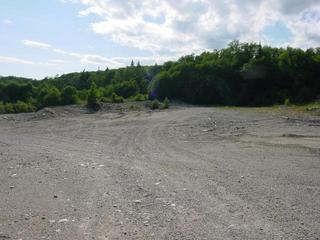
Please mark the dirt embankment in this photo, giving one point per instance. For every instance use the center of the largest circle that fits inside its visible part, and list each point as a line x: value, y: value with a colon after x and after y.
x: 184, y: 173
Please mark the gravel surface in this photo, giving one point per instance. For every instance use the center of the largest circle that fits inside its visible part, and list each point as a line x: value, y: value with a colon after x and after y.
x: 183, y: 173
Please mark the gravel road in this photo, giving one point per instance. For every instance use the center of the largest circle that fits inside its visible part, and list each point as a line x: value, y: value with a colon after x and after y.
x: 183, y: 173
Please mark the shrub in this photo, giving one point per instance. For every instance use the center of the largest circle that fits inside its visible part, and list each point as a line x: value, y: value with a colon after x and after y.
x: 154, y: 104
x: 52, y: 98
x: 107, y: 92
x: 125, y: 89
x: 287, y: 102
x: 21, y: 107
x: 92, y: 100
x: 69, y: 95
x: 83, y: 94
x: 116, y: 99
x: 166, y: 103
x: 105, y: 100
x: 9, y: 108
x: 2, y: 108
x: 140, y: 97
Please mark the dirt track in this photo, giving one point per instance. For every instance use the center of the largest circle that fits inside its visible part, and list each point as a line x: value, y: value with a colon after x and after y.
x: 183, y: 173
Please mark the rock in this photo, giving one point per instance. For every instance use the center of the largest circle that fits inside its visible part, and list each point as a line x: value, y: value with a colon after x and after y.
x: 4, y: 236
x: 11, y: 187
x: 55, y: 196
x: 137, y: 201
x: 64, y: 220
x: 146, y: 223
x: 43, y: 217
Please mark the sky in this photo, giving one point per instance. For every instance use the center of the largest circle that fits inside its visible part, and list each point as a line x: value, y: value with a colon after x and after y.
x: 45, y: 38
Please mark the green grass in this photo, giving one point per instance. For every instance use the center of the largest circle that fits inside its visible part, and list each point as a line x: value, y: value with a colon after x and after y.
x: 312, y: 108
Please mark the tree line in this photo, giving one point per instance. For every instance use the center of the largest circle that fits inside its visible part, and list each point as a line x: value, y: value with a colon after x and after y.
x: 242, y: 74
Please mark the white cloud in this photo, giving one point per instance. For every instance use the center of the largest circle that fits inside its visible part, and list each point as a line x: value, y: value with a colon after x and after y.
x: 36, y: 44
x: 57, y: 50
x: 83, y: 58
x: 58, y: 61
x: 7, y: 22
x: 196, y: 25
x: 7, y: 59
x: 99, y: 60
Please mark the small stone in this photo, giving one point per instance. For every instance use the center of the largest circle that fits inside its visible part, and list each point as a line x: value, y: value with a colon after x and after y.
x: 55, y: 196
x: 146, y: 223
x: 43, y: 217
x: 64, y: 220
x: 137, y: 201
x: 11, y: 187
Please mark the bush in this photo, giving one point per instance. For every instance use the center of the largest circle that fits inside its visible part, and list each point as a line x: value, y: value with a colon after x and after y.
x: 125, y: 89
x: 287, y: 102
x: 83, y: 94
x: 116, y: 99
x: 9, y: 108
x: 140, y: 97
x: 166, y: 103
x: 2, y: 108
x: 22, y: 107
x: 105, y: 100
x: 154, y: 104
x: 52, y: 98
x: 92, y: 100
x: 107, y: 92
x: 69, y: 95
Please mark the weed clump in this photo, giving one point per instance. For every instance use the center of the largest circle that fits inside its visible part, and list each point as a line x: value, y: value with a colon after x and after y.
x: 166, y: 103
x: 116, y: 99
x: 154, y: 104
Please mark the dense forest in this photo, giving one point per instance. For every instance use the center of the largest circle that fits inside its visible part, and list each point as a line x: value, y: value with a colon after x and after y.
x: 242, y: 74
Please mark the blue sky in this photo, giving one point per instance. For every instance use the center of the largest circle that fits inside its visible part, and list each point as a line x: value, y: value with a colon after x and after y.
x: 43, y: 38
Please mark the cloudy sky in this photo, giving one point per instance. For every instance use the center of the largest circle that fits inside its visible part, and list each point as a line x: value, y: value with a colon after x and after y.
x: 43, y: 38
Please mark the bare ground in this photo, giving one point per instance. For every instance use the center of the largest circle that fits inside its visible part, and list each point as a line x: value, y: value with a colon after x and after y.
x: 184, y: 173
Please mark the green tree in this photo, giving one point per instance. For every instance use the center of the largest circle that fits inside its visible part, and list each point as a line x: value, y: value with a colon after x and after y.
x: 92, y: 100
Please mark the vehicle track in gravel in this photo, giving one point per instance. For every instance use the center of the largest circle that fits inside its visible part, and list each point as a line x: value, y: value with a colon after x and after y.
x: 183, y: 173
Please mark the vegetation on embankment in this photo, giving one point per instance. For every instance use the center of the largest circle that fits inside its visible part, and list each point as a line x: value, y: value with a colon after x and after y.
x: 243, y: 74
